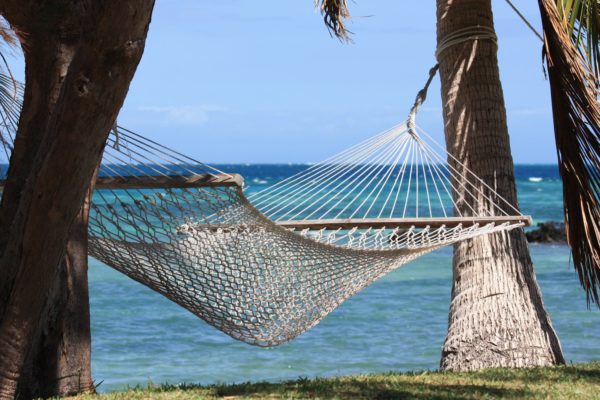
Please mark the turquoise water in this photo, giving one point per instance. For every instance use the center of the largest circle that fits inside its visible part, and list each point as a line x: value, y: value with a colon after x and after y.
x: 398, y: 323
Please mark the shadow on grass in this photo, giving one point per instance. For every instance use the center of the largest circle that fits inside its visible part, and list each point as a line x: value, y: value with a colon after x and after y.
x: 564, y: 382
x: 588, y: 373
x: 366, y: 389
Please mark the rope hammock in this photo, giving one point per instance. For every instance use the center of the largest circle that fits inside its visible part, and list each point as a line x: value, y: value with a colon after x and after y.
x: 266, y: 267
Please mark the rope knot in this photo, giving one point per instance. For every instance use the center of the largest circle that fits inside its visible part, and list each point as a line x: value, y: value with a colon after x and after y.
x: 421, y: 96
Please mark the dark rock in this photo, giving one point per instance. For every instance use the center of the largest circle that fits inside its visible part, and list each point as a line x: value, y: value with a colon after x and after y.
x: 548, y: 232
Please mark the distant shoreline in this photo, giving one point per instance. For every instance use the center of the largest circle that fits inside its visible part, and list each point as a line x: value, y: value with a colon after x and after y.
x: 548, y: 232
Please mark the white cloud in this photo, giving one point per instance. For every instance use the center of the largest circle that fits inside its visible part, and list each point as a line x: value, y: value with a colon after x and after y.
x: 184, y: 115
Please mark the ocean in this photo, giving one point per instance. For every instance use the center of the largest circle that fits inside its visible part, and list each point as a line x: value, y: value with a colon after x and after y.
x: 396, y: 324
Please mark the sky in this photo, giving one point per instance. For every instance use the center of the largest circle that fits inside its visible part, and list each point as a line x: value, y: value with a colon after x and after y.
x: 262, y: 81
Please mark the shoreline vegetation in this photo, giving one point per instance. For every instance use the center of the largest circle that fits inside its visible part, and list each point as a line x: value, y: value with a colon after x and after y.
x: 580, y: 381
x: 547, y: 232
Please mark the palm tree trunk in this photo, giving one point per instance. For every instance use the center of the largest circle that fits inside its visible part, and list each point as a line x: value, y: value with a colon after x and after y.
x: 59, y: 362
x: 72, y: 140
x: 497, y: 317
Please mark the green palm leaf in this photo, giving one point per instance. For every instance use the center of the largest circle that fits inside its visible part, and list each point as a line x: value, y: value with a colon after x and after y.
x: 582, y: 20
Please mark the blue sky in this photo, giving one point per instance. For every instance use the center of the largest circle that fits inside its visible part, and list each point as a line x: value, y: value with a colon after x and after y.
x: 241, y: 82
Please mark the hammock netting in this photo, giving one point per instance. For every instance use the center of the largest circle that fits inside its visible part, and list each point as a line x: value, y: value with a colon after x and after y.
x: 267, y: 267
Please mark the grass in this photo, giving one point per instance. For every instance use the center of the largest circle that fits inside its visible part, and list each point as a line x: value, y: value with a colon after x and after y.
x: 580, y: 381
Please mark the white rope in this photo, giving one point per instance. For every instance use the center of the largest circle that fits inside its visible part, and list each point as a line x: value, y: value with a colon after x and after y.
x: 524, y: 19
x: 374, y: 176
x: 464, y: 188
x: 329, y: 161
x: 404, y: 166
x: 420, y: 99
x: 471, y: 173
x: 426, y: 185
x: 329, y: 169
x: 412, y: 162
x: 358, y: 176
x: 470, y: 33
x: 439, y: 196
x: 383, y: 183
x: 301, y: 192
x: 397, y: 181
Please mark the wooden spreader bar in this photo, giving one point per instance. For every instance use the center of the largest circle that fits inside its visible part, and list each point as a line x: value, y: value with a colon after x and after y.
x: 166, y: 182
x: 449, y: 222
x: 169, y: 182
x: 210, y: 180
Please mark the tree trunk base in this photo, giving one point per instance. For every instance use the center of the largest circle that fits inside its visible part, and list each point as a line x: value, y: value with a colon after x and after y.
x: 497, y: 318
x: 61, y: 362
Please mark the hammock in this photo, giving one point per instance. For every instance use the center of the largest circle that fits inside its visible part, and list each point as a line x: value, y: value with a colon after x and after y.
x: 266, y: 267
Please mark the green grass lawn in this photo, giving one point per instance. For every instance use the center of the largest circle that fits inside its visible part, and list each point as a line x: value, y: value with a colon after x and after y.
x: 580, y: 381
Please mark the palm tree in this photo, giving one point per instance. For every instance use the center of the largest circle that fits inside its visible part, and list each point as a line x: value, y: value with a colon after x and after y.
x: 80, y: 59
x: 497, y: 317
x: 60, y: 361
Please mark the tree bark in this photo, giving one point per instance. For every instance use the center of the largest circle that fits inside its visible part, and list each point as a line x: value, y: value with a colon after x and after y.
x: 497, y: 317
x: 47, y: 57
x: 59, y: 363
x: 70, y: 147
x: 60, y: 360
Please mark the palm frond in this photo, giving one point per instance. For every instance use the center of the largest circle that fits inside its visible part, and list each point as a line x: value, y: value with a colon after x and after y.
x: 7, y: 35
x: 335, y: 13
x: 10, y: 93
x: 576, y: 114
x: 8, y: 41
x: 9, y: 88
x: 582, y: 19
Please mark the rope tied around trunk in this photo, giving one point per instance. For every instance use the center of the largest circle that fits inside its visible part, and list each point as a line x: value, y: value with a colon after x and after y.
x: 469, y: 33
